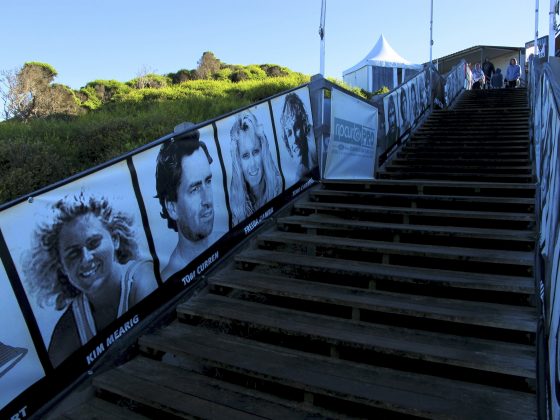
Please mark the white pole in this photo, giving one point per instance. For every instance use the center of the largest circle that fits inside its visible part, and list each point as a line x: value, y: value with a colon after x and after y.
x: 535, y: 48
x: 322, y: 35
x: 431, y: 27
x: 429, y: 93
x: 551, y: 28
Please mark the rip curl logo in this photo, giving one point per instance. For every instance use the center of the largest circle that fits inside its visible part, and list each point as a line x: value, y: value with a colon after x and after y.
x: 354, y: 134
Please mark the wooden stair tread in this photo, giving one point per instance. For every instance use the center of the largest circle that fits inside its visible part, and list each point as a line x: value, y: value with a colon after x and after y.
x: 467, y: 352
x: 96, y: 409
x: 433, y: 183
x: 449, y: 278
x: 423, y: 197
x: 313, y: 205
x: 492, y: 315
x: 407, y: 393
x: 432, y: 251
x: 323, y: 221
x: 185, y: 393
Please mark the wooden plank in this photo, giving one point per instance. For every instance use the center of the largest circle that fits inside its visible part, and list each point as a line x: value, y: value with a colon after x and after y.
x: 319, y: 221
x: 471, y: 161
x: 467, y: 199
x: 403, y: 392
x: 509, y: 317
x: 163, y: 395
x: 218, y: 396
x: 433, y: 183
x: 458, y: 167
x: 446, y: 278
x: 466, y: 352
x: 484, y: 177
x: 97, y: 409
x: 425, y: 212
x: 525, y: 259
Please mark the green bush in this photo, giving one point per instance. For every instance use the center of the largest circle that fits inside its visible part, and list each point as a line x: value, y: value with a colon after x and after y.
x: 88, y: 98
x: 151, y: 80
x: 106, y: 89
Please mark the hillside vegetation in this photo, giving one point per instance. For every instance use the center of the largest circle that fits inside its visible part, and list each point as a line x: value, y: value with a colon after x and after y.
x: 57, y: 132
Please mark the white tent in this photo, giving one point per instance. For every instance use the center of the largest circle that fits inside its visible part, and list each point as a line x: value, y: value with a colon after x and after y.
x: 380, y: 67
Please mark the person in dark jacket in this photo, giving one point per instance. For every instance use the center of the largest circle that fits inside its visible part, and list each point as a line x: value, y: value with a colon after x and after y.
x: 489, y: 70
x: 497, y: 81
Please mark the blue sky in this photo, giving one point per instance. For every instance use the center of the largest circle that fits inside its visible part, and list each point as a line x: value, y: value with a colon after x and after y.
x: 86, y: 40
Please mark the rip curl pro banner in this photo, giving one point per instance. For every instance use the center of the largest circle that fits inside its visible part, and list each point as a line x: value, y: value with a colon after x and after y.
x: 353, y: 141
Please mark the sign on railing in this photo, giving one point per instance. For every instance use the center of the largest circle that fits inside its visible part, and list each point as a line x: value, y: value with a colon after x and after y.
x: 455, y: 82
x: 353, y: 140
x: 85, y: 261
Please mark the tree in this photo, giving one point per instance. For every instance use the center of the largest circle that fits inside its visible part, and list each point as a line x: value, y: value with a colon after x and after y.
x: 13, y: 99
x: 208, y: 65
x: 29, y: 93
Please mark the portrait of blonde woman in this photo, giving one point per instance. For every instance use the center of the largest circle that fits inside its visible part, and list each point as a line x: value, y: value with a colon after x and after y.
x: 255, y: 179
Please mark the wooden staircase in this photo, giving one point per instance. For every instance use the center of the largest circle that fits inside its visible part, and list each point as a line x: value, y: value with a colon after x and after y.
x: 409, y: 296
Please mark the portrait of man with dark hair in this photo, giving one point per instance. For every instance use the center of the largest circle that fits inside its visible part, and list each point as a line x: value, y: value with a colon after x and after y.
x: 184, y: 189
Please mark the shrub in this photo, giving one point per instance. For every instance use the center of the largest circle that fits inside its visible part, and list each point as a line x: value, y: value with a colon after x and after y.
x: 151, y: 80
x: 106, y: 89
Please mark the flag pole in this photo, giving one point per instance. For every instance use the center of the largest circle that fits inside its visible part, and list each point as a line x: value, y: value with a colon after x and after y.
x: 322, y: 36
x: 552, y: 29
x: 535, y: 47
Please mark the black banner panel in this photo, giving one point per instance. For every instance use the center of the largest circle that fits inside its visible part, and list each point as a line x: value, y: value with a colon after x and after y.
x: 85, y: 261
x: 250, y: 161
x: 391, y: 113
x: 20, y: 366
x: 181, y: 183
x: 296, y: 141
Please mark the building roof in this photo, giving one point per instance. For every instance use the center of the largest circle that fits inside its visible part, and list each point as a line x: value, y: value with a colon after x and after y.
x: 382, y: 55
x: 479, y: 52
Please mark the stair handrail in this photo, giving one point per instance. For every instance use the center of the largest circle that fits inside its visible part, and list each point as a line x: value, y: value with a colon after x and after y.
x: 455, y: 81
x: 544, y: 99
x: 389, y: 145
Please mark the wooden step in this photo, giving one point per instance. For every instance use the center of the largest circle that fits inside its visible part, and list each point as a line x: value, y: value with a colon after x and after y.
x: 410, y: 200
x: 432, y: 201
x: 323, y: 242
x: 447, y: 155
x: 419, y: 212
x: 480, y: 314
x: 483, y: 177
x: 493, y: 141
x: 465, y: 352
x: 459, y: 167
x: 392, y: 273
x: 495, y: 189
x: 464, y: 147
x: 184, y: 393
x: 325, y: 377
x: 479, y: 162
x: 97, y: 409
x: 325, y: 222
